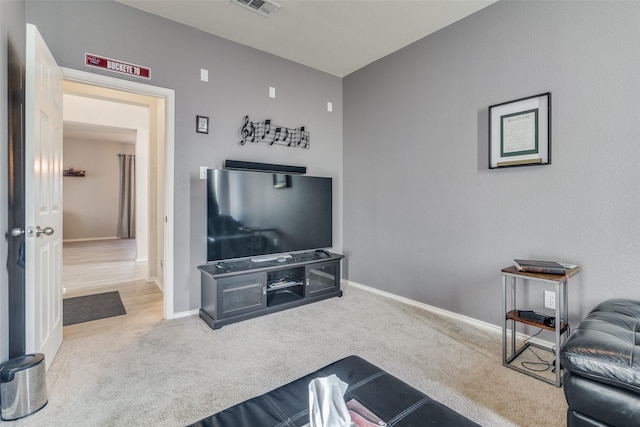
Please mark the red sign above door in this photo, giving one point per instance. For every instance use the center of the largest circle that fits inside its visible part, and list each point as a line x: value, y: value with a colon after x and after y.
x: 116, y: 66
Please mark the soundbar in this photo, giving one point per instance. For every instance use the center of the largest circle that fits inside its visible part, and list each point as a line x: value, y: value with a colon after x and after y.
x: 264, y: 167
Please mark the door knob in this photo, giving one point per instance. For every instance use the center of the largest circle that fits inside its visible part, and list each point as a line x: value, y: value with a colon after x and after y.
x: 15, y: 232
x: 47, y: 231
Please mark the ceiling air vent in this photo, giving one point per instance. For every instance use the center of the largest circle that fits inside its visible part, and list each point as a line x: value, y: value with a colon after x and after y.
x: 263, y: 7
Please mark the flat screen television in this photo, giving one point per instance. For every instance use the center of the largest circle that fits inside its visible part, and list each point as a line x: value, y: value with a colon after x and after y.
x: 254, y: 214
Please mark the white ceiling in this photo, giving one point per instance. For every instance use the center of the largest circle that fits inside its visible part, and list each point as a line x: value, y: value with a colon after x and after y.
x: 91, y: 132
x: 335, y: 36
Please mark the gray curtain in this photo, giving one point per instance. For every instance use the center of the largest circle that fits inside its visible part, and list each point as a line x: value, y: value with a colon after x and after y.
x: 127, y: 197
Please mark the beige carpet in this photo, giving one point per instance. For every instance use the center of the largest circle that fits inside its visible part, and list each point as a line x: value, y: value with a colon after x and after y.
x: 176, y: 372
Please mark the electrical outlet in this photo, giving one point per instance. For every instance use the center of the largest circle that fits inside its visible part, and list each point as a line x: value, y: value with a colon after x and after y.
x: 203, y: 172
x: 550, y: 300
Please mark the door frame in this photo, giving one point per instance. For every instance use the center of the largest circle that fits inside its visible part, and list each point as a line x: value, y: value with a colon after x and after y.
x: 16, y: 206
x: 169, y: 97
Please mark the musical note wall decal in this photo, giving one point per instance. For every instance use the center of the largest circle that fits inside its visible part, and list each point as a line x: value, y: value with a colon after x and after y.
x: 266, y: 132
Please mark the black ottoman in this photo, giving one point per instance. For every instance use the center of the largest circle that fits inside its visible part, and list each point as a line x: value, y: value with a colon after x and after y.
x: 392, y: 400
x: 601, y: 359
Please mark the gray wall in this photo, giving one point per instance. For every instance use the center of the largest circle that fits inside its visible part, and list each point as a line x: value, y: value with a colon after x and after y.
x: 424, y: 217
x: 239, y: 78
x: 12, y: 32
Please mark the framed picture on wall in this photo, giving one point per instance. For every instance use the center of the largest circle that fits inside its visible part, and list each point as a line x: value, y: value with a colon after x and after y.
x: 520, y: 132
x: 202, y: 124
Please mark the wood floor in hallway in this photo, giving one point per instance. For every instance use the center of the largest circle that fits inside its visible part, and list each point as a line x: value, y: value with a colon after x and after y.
x: 96, y: 263
x: 94, y: 267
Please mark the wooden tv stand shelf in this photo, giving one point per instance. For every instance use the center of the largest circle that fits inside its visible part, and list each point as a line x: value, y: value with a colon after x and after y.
x: 232, y: 291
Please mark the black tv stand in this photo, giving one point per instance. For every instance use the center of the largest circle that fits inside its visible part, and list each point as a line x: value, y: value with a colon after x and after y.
x: 232, y: 291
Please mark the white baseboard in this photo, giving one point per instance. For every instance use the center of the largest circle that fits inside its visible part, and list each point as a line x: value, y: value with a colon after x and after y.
x: 156, y: 280
x: 459, y: 317
x: 89, y: 239
x: 185, y: 314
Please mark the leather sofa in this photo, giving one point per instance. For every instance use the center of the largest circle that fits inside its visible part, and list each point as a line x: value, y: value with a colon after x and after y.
x: 390, y: 399
x: 601, y: 361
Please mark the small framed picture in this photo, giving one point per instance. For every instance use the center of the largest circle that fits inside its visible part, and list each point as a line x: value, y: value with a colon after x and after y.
x: 520, y: 132
x: 202, y: 124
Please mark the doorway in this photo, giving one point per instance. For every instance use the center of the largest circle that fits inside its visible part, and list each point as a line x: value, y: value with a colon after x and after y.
x: 106, y: 150
x: 156, y: 248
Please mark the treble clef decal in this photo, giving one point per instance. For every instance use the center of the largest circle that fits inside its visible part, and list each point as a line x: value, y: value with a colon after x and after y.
x: 247, y: 131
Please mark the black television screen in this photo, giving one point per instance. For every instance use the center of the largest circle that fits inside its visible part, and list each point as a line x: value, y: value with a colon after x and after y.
x: 252, y: 214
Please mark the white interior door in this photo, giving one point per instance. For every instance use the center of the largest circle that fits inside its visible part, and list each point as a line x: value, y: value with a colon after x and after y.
x: 43, y: 199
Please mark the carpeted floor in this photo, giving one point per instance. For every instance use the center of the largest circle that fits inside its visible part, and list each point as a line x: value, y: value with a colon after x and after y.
x: 176, y: 372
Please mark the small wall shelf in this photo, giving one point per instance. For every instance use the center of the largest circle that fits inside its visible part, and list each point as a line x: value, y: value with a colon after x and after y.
x: 73, y: 172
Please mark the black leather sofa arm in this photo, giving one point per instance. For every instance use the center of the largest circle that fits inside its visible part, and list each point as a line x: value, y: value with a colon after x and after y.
x: 601, y: 359
x: 604, y: 347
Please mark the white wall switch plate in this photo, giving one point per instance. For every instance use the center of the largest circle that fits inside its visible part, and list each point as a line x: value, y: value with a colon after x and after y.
x: 272, y: 92
x: 203, y: 172
x: 204, y: 75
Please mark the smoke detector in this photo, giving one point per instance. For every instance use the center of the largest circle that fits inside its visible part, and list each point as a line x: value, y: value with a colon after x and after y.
x: 263, y: 7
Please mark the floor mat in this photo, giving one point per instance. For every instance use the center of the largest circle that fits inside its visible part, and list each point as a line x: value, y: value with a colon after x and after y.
x: 92, y: 307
